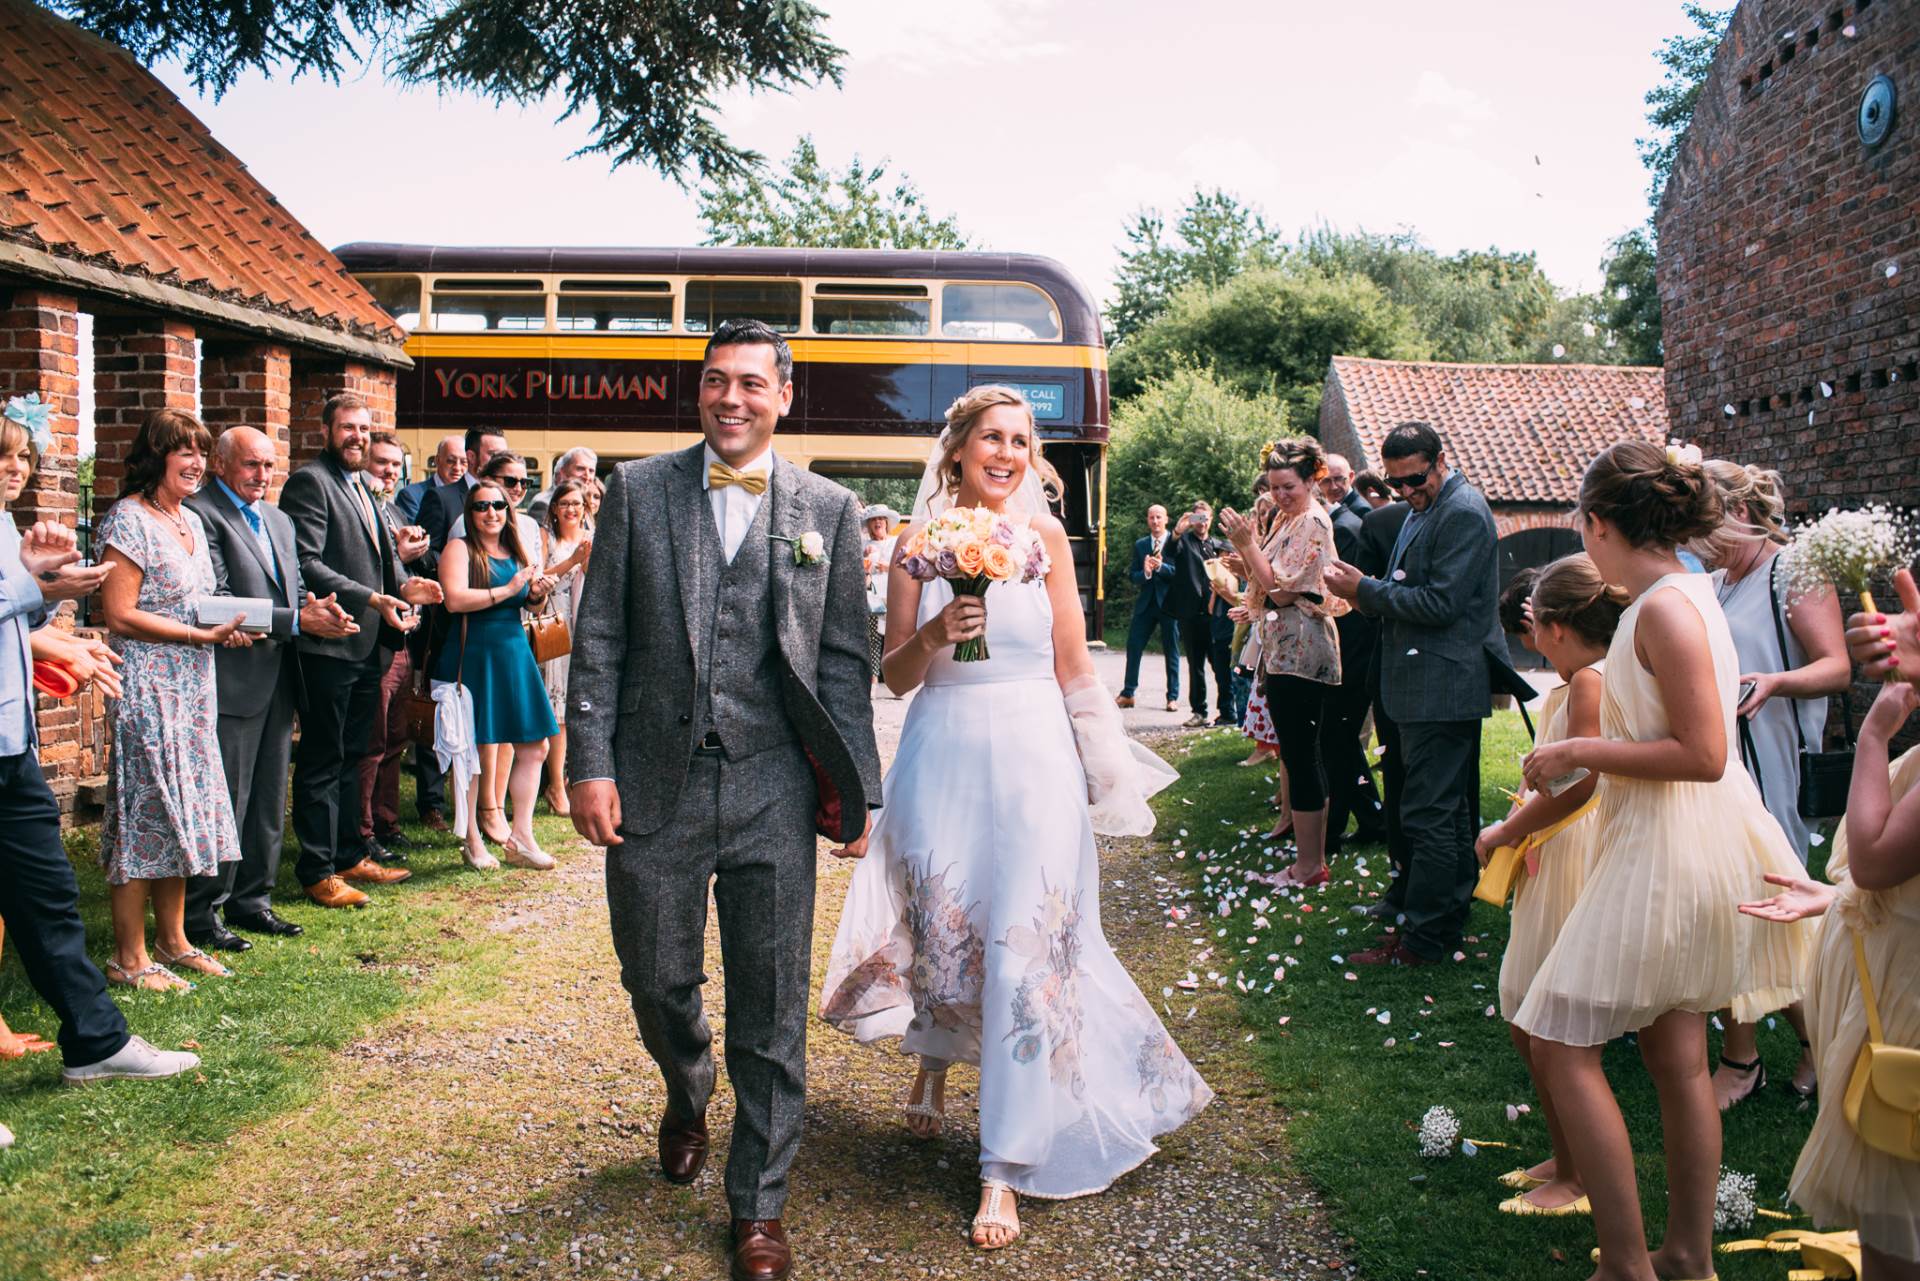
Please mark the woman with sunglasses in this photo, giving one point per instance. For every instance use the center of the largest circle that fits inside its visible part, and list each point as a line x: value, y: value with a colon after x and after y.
x: 487, y: 575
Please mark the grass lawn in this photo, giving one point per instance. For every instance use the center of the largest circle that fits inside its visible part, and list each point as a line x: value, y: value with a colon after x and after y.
x: 92, y: 1169
x: 1357, y: 1056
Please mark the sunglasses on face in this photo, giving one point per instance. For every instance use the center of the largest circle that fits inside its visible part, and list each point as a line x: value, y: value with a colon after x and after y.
x: 512, y: 482
x: 492, y: 505
x: 1414, y: 481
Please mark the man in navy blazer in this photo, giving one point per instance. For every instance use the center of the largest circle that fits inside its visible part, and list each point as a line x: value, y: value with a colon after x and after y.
x: 1439, y: 627
x: 1152, y: 573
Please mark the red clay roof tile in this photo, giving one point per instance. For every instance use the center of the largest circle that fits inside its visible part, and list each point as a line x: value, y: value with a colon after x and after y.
x: 100, y: 162
x: 1522, y: 433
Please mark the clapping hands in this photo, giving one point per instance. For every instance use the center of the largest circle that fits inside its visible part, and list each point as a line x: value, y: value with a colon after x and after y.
x: 1238, y: 529
x: 49, y: 553
x: 410, y: 542
x: 324, y: 618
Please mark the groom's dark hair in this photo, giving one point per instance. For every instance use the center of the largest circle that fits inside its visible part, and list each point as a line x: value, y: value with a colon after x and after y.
x: 735, y: 333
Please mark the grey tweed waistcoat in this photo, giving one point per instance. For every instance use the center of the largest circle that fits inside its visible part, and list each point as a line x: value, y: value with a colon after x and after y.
x: 737, y: 679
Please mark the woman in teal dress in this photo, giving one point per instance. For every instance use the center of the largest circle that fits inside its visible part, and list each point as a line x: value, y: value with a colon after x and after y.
x: 487, y: 578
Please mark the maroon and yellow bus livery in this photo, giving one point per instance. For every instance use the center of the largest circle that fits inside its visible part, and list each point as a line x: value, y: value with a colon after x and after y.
x: 560, y: 347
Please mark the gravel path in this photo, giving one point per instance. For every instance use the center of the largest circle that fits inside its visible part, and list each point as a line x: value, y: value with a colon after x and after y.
x: 512, y: 1135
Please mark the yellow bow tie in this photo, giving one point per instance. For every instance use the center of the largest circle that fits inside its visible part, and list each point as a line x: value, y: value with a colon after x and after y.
x: 719, y: 476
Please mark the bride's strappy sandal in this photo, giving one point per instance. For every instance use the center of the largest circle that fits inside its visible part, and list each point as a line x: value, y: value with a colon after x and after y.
x: 925, y: 1109
x: 995, y: 1215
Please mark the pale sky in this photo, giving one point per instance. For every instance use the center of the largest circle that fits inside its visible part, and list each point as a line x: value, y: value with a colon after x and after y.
x: 1045, y: 124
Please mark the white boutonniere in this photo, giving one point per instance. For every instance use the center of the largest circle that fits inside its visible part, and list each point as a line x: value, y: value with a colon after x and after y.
x: 808, y: 549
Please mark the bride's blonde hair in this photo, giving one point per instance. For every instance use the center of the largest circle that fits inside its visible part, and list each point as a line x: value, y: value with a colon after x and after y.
x: 965, y: 413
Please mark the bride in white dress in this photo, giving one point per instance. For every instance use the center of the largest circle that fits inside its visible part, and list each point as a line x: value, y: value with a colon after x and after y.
x: 972, y: 929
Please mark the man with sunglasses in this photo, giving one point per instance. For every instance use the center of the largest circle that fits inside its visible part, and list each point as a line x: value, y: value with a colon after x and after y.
x: 1436, y: 597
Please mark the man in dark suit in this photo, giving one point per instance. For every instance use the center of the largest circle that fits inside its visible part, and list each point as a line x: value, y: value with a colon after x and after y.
x: 1439, y: 623
x: 1152, y: 573
x: 1206, y: 633
x: 1350, y: 789
x: 1336, y: 488
x: 444, y: 504
x: 251, y: 544
x: 1378, y: 531
x: 448, y: 466
x: 345, y: 549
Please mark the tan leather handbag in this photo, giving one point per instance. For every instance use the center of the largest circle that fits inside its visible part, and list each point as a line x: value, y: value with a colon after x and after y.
x: 547, y: 633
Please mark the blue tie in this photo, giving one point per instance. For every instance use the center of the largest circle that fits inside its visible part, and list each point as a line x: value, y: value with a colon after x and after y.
x: 259, y: 528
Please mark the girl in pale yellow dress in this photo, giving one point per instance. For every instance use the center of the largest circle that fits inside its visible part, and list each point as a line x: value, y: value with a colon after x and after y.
x: 1875, y: 868
x: 1654, y: 943
x: 1573, y: 613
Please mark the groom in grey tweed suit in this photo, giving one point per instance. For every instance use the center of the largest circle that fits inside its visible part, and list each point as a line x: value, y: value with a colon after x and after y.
x: 718, y: 719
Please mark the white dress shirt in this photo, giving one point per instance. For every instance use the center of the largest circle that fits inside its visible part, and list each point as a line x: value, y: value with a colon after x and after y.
x: 733, y: 507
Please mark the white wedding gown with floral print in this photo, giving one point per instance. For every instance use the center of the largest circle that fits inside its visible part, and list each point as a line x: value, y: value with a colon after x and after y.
x: 972, y: 928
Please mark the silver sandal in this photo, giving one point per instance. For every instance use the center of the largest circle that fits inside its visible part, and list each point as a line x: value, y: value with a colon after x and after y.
x: 994, y: 1215
x: 926, y: 1109
x: 192, y: 954
x: 121, y: 976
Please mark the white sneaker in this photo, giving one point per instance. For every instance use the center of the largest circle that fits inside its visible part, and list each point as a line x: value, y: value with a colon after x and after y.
x: 6, y: 1138
x: 136, y: 1061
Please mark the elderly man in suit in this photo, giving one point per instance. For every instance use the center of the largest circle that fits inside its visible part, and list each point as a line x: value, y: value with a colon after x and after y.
x: 347, y: 551
x: 251, y: 543
x: 449, y: 465
x: 718, y: 717
x: 578, y: 464
x: 1437, y: 605
x: 1152, y: 573
x: 1337, y: 491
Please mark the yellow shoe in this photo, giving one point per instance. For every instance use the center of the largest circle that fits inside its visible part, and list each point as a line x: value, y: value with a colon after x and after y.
x: 1520, y: 1205
x: 1595, y: 1256
x: 1829, y: 1256
x: 1520, y: 1181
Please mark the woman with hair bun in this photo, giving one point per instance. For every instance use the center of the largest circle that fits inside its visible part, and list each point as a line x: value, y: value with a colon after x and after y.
x: 1654, y: 942
x: 1793, y: 653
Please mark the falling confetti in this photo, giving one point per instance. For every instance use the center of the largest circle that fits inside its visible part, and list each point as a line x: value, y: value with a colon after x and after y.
x: 1728, y: 410
x: 1558, y: 351
x: 1893, y: 269
x: 1826, y: 389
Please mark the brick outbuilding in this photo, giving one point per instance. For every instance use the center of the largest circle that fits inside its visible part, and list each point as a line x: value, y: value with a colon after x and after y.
x: 1523, y: 434
x: 116, y: 202
x: 1789, y: 259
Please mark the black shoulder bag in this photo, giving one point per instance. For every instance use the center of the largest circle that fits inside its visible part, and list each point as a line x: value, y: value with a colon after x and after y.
x: 1824, y: 776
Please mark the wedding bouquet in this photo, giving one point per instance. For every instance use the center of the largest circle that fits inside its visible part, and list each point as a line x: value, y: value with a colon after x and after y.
x: 1847, y: 549
x: 973, y: 548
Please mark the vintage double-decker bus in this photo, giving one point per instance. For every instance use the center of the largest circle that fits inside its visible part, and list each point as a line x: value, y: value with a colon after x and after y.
x: 560, y: 347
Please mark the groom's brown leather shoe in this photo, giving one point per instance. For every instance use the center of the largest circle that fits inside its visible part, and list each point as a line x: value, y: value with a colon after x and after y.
x: 683, y: 1148
x: 760, y: 1250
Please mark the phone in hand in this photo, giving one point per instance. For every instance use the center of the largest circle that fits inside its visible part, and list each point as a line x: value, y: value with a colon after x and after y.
x: 1746, y: 692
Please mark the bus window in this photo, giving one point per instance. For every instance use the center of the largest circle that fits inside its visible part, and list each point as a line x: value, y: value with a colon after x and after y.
x: 1010, y: 312
x: 711, y: 302
x: 616, y: 306
x: 887, y: 310
x: 467, y: 306
x: 399, y: 296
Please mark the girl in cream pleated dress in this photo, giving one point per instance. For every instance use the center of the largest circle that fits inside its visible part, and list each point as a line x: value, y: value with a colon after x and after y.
x: 1654, y: 941
x: 1573, y: 613
x: 1875, y: 868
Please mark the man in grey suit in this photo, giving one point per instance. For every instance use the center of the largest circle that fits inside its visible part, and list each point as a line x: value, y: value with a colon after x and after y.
x: 719, y: 717
x: 252, y: 546
x: 345, y: 549
x: 1439, y: 625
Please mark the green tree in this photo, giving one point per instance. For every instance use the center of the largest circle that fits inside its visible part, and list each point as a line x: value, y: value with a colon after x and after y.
x: 1215, y: 239
x: 1186, y: 435
x: 1686, y: 60
x: 815, y: 206
x: 1270, y: 331
x: 1631, y: 297
x: 646, y: 71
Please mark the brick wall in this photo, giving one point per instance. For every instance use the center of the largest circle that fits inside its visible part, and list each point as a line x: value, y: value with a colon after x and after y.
x: 315, y: 381
x: 139, y: 365
x: 40, y: 352
x: 1790, y: 255
x: 250, y: 385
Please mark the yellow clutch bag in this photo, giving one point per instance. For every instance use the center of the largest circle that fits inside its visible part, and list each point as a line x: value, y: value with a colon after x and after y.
x: 1507, y: 864
x: 1501, y: 876
x: 1883, y: 1095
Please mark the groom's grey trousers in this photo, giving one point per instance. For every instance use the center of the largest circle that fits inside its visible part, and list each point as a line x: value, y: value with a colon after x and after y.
x: 747, y: 825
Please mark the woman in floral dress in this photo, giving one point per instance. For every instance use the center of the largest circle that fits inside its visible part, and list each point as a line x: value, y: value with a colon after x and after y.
x: 972, y: 928
x: 168, y: 816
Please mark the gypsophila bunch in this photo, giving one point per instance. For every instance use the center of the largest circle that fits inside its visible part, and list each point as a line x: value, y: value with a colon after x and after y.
x: 1439, y: 1131
x: 1845, y: 549
x: 1733, y: 1201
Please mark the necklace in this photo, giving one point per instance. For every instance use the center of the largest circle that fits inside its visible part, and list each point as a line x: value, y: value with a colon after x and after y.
x: 178, y: 522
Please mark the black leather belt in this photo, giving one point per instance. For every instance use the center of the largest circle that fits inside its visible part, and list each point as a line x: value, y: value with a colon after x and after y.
x: 710, y: 745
